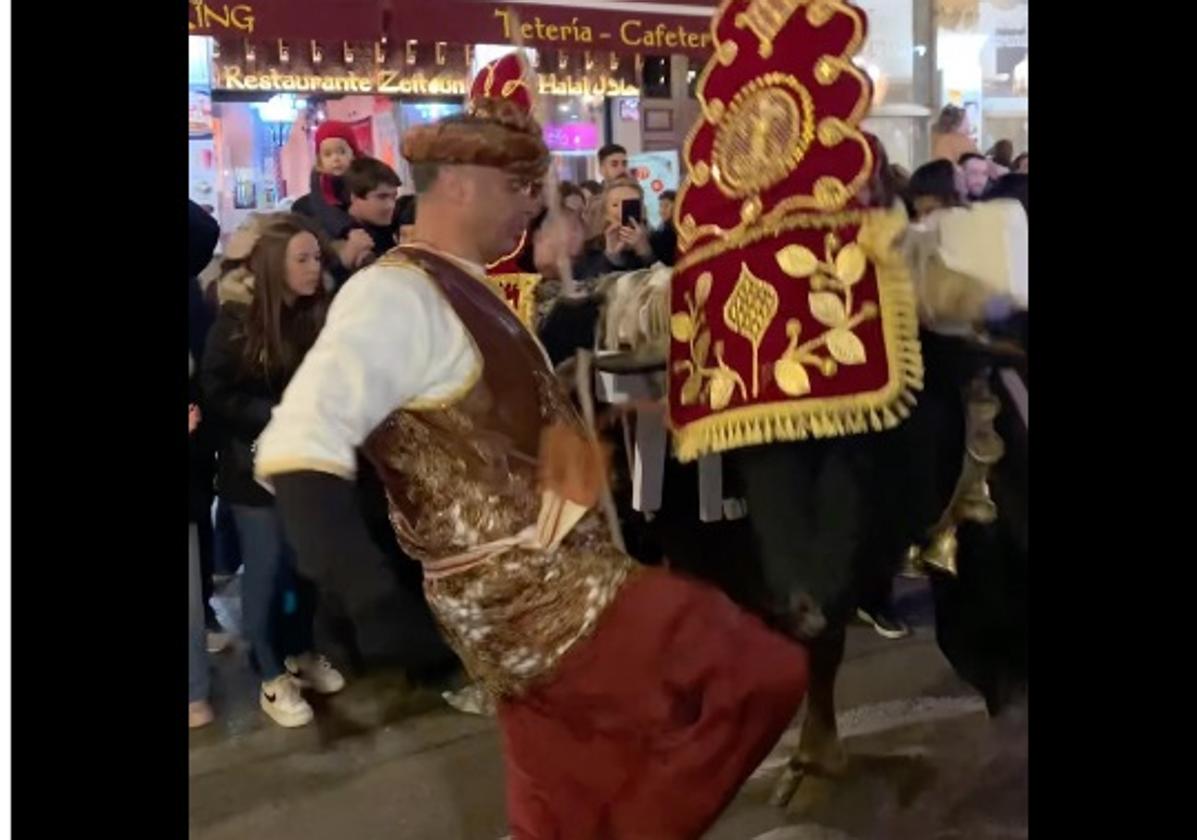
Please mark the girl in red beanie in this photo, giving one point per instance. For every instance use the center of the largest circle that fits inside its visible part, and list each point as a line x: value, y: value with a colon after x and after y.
x: 328, y: 202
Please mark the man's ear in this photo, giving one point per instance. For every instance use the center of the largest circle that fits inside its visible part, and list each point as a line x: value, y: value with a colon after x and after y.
x: 456, y: 185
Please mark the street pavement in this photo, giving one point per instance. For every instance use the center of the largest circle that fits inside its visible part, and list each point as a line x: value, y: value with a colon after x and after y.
x: 386, y: 761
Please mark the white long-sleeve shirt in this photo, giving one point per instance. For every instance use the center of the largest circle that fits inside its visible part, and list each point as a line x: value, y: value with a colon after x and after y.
x: 391, y: 341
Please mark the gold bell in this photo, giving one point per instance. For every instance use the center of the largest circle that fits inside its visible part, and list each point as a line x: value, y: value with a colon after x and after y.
x: 985, y: 446
x: 941, y: 554
x: 976, y: 505
x: 912, y: 563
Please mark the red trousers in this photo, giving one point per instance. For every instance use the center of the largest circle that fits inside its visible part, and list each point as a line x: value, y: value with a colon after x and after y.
x: 648, y: 729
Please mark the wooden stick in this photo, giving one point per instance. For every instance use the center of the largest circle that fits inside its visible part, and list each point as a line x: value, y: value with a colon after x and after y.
x: 584, y: 380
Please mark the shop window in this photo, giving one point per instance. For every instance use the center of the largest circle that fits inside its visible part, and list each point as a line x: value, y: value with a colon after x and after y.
x: 658, y: 81
x: 695, y: 68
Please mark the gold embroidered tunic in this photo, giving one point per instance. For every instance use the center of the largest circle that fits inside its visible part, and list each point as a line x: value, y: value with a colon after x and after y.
x: 427, y: 370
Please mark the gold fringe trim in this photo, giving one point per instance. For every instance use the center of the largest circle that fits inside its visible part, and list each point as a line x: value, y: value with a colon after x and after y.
x: 828, y: 417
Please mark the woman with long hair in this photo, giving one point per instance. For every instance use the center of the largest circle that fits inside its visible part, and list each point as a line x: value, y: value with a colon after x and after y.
x: 273, y: 302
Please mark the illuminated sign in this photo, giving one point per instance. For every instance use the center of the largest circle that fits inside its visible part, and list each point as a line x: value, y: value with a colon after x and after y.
x: 631, y: 32
x: 203, y: 17
x: 571, y: 137
x: 393, y: 83
x: 382, y: 81
x: 561, y: 26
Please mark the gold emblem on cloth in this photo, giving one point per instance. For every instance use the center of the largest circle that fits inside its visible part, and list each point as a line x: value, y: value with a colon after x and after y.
x: 763, y: 136
x: 748, y: 312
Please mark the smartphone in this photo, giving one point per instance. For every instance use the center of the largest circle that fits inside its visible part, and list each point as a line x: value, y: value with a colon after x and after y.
x: 632, y: 209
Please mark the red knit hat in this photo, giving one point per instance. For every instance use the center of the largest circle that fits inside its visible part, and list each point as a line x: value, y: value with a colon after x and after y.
x: 337, y: 130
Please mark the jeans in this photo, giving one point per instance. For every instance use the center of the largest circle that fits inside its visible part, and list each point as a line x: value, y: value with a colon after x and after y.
x: 198, y: 680
x: 226, y: 551
x: 272, y: 631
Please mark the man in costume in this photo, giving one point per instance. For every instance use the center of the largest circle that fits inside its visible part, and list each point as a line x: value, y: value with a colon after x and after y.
x: 633, y: 703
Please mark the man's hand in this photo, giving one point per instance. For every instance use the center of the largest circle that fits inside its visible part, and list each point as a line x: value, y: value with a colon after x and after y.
x: 193, y: 418
x: 355, y: 248
x: 558, y: 241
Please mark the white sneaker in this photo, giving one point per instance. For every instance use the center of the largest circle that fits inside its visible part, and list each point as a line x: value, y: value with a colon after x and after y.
x: 314, y: 671
x: 281, y: 700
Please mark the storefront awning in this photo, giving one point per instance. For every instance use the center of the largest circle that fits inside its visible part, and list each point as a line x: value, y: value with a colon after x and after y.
x: 620, y: 26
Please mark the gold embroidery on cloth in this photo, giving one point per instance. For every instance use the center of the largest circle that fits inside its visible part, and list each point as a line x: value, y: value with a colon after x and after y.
x: 749, y: 311
x: 830, y: 301
x: 524, y: 288
x: 820, y: 11
x: 464, y: 477
x: 828, y: 198
x: 703, y: 383
x: 773, y: 227
x: 832, y: 416
x: 511, y: 618
x: 511, y: 86
x: 766, y: 18
x: 764, y: 135
x: 727, y: 53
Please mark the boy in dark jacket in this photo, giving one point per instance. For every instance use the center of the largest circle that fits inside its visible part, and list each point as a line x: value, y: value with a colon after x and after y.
x: 373, y: 190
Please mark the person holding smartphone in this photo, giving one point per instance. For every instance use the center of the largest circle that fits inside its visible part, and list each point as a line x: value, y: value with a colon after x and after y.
x: 619, y: 234
x: 618, y: 240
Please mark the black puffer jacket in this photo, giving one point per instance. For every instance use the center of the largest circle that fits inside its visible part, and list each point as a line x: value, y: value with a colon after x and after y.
x: 594, y: 262
x: 334, y: 219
